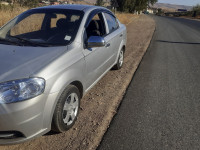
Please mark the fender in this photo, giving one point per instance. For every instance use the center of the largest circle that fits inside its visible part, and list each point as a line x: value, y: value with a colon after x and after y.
x: 71, y: 75
x: 123, y: 43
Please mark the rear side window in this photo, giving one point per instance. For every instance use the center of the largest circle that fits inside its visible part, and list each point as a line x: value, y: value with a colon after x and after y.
x: 112, y: 22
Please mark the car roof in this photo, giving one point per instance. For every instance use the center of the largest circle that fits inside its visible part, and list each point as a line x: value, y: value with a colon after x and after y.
x: 72, y: 7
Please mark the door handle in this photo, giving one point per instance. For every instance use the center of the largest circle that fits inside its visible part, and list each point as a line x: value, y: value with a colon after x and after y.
x: 108, y: 45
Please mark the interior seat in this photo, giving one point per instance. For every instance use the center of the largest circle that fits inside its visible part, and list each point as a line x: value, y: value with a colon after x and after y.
x: 93, y: 29
x: 61, y: 24
x: 61, y: 30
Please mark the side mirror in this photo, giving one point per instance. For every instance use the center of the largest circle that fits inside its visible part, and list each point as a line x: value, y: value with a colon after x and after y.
x: 95, y: 41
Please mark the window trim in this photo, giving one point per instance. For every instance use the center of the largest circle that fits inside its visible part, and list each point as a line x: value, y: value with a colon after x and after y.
x: 93, y: 13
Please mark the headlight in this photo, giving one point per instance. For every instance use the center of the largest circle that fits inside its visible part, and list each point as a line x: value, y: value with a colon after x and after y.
x: 19, y: 90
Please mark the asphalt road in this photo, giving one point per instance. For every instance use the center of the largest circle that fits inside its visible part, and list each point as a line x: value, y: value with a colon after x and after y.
x: 161, y: 109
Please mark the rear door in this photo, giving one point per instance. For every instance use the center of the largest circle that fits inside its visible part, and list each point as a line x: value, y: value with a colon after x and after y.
x: 114, y: 35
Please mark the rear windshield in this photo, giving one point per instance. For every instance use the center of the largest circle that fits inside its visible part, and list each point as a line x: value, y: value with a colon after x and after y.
x: 47, y: 27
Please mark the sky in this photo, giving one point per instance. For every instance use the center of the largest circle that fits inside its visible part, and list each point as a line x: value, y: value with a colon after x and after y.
x: 181, y: 2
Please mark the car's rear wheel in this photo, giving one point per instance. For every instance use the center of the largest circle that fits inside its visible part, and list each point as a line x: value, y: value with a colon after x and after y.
x: 120, y: 60
x: 66, y: 110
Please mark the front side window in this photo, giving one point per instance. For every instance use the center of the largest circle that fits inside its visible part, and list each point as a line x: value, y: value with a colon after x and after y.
x: 112, y: 22
x: 50, y: 27
x: 96, y: 26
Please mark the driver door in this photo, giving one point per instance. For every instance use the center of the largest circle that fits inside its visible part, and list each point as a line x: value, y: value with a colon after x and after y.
x: 97, y: 59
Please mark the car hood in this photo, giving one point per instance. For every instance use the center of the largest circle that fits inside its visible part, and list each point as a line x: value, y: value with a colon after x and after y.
x: 17, y: 62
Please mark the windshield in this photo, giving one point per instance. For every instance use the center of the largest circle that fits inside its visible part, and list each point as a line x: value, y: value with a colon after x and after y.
x: 42, y: 27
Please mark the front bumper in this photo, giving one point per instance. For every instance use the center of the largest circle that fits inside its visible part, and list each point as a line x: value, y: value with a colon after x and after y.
x: 25, y: 120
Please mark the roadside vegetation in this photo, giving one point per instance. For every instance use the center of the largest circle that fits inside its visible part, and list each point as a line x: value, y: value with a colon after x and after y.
x: 9, y: 12
x: 193, y: 14
x: 133, y: 6
x: 196, y: 11
x: 196, y: 8
x: 130, y: 6
x: 125, y: 18
x: 125, y: 8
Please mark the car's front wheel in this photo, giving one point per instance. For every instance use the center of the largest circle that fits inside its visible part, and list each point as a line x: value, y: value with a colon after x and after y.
x: 66, y: 110
x: 120, y: 60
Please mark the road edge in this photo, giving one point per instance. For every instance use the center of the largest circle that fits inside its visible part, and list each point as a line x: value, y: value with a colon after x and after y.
x: 122, y: 92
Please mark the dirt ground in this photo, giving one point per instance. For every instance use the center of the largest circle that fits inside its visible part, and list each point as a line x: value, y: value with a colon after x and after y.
x: 99, y: 106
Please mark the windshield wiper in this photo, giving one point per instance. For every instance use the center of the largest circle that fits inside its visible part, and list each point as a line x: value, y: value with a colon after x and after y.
x: 28, y: 41
x: 9, y: 41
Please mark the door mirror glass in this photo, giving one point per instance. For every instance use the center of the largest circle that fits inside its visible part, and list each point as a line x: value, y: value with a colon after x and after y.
x: 95, y: 41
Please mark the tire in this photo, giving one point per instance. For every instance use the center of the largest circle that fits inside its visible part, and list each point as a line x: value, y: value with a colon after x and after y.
x: 120, y: 60
x: 67, y: 109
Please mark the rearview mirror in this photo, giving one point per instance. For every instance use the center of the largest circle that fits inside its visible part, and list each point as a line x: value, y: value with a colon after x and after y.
x: 95, y: 41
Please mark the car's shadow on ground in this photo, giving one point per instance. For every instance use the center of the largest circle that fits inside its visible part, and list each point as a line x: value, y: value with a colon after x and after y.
x: 51, y: 133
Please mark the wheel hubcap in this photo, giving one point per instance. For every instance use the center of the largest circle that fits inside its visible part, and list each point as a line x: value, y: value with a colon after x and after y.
x: 70, y: 109
x: 121, y: 58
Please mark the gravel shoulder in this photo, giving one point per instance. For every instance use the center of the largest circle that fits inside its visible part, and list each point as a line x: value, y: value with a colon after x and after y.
x: 99, y: 106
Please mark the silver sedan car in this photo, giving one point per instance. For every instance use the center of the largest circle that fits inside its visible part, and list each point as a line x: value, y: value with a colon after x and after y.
x: 49, y: 58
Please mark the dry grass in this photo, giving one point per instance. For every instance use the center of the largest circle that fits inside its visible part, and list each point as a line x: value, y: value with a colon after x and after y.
x: 125, y: 18
x: 6, y: 15
x: 29, y: 24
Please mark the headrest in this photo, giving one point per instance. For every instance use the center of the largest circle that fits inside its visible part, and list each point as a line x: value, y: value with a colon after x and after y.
x: 93, y: 25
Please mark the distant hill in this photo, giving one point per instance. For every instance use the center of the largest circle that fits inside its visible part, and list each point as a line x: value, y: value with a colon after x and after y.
x: 171, y: 7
